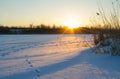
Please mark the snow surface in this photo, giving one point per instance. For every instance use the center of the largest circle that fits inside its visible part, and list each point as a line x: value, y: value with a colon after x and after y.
x: 54, y: 57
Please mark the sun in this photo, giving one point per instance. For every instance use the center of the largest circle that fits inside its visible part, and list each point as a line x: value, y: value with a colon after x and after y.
x: 72, y: 24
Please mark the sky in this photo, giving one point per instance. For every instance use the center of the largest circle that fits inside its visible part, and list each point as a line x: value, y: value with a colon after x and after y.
x: 25, y: 12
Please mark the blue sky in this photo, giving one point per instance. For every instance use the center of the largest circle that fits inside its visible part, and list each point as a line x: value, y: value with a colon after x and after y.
x: 25, y: 12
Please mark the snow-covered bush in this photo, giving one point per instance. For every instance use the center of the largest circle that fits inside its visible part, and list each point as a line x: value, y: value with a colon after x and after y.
x: 108, y: 45
x: 115, y: 47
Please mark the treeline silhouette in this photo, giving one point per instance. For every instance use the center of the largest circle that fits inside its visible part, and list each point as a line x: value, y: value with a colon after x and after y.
x: 42, y: 29
x: 46, y: 29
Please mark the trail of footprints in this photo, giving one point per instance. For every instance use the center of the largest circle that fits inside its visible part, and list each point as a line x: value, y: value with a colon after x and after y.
x: 17, y: 48
x: 32, y: 66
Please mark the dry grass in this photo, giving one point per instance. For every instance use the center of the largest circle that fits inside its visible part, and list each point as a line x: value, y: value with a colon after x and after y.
x: 108, y: 26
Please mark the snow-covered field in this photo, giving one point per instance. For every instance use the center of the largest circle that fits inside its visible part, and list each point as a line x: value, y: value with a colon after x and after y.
x: 54, y: 57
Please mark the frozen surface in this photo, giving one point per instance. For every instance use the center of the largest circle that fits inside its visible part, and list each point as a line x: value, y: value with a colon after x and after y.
x: 54, y: 57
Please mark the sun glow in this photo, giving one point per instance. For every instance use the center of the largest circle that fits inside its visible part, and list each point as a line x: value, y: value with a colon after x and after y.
x: 72, y: 24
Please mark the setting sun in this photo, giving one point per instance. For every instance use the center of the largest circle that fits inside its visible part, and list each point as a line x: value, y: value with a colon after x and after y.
x: 72, y: 24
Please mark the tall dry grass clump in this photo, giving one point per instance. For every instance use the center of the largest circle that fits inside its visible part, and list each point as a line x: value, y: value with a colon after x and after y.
x: 107, y: 28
